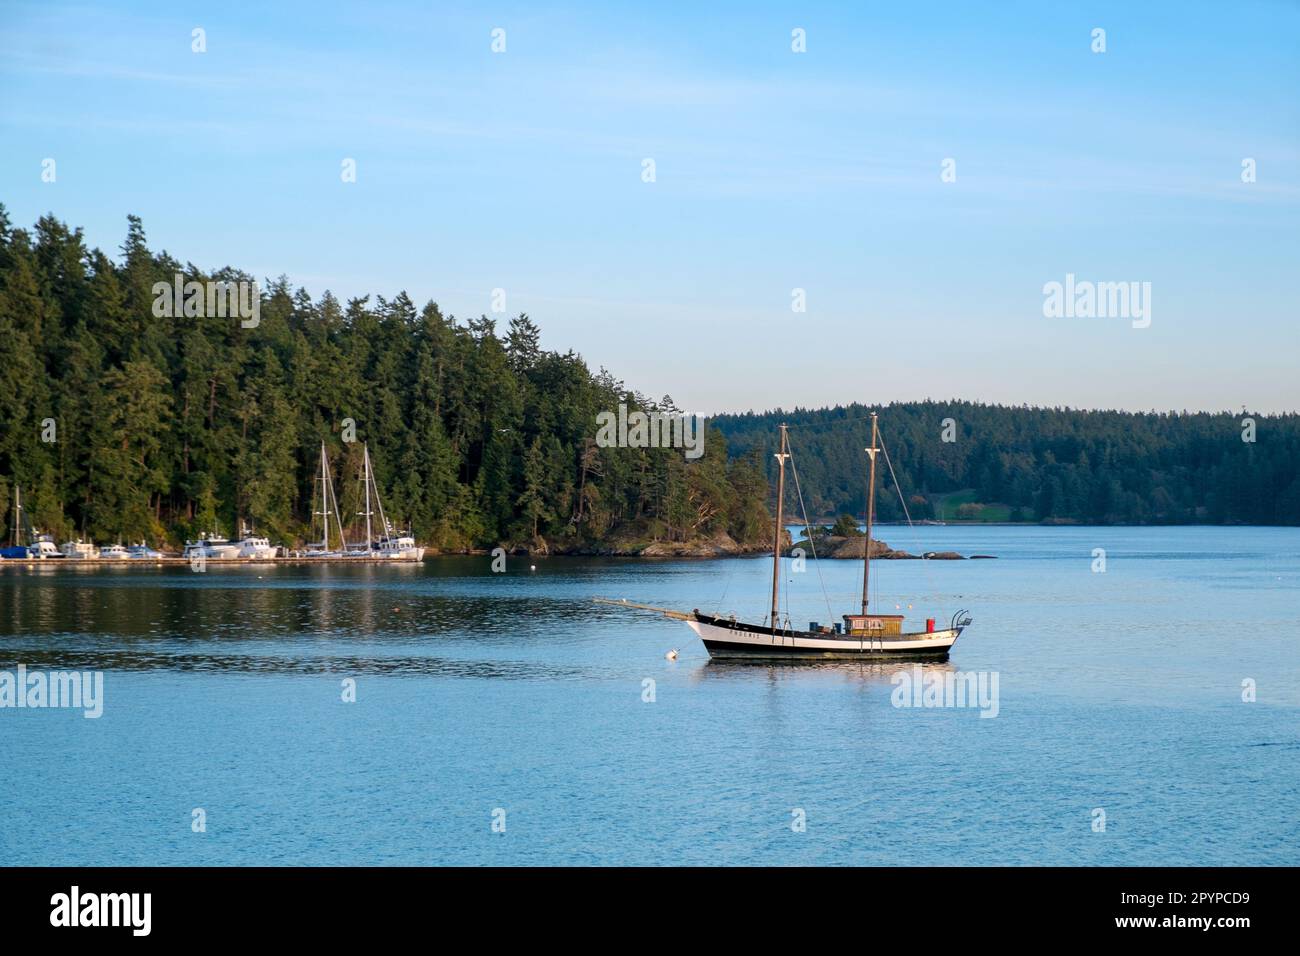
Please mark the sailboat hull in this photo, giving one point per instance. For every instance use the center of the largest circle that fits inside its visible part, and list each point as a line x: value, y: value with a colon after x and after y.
x: 727, y: 639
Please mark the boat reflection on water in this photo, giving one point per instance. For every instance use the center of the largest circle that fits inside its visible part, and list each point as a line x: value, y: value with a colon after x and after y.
x: 844, y: 671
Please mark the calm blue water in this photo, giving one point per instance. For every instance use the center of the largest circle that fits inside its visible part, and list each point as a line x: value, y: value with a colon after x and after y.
x: 1120, y: 691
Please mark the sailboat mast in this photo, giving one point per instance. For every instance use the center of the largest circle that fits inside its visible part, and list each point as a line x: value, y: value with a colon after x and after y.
x: 324, y: 497
x: 776, y: 536
x: 365, y: 464
x: 871, y: 508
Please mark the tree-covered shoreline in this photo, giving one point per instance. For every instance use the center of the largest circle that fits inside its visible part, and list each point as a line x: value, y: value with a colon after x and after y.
x: 167, y: 427
x: 122, y: 425
x: 1053, y: 465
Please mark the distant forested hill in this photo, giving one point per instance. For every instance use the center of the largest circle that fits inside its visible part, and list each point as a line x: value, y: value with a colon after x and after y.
x: 120, y: 425
x: 1036, y: 464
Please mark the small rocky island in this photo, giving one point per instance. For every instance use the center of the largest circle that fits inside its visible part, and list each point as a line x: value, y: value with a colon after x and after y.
x: 829, y: 545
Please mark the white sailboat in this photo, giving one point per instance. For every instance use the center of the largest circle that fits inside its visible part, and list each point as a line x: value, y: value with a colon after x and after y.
x: 329, y: 506
x: 392, y: 543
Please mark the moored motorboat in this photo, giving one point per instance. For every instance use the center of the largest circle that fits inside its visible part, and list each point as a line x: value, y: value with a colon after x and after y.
x: 254, y: 547
x: 399, y: 545
x: 80, y: 550
x: 43, y: 547
x: 212, y: 547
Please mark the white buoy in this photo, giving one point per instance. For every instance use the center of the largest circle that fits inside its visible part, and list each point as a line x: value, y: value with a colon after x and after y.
x: 671, y: 655
x: 532, y: 567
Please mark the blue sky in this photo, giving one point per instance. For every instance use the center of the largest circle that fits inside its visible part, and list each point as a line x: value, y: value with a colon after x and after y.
x: 774, y: 171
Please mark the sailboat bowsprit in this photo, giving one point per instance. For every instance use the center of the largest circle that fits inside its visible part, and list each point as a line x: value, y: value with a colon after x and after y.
x: 862, y: 636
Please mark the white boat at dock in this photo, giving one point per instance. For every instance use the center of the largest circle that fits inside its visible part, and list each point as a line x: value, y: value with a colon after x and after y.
x: 80, y: 550
x: 253, y: 547
x: 213, y: 547
x: 43, y: 547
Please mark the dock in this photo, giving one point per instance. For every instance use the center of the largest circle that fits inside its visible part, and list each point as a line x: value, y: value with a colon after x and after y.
x: 186, y: 562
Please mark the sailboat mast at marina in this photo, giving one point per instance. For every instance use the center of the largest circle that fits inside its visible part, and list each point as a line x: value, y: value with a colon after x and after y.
x: 381, y: 542
x: 329, y: 505
x: 391, y: 544
x: 15, y: 548
x: 367, y: 542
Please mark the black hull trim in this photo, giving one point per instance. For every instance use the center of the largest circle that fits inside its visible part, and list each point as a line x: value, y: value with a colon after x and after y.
x: 778, y: 652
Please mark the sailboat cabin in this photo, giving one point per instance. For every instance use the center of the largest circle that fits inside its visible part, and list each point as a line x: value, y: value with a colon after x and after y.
x: 877, y: 624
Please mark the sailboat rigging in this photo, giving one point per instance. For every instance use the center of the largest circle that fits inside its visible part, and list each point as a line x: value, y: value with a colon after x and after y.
x: 329, y: 506
x: 392, y: 543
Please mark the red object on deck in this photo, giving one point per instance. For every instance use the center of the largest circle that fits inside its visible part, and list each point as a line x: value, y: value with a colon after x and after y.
x: 929, y: 625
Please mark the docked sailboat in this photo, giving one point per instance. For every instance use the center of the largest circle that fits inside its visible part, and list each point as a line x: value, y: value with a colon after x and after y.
x: 38, y: 545
x: 391, y: 543
x: 865, y: 635
x: 329, y: 506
